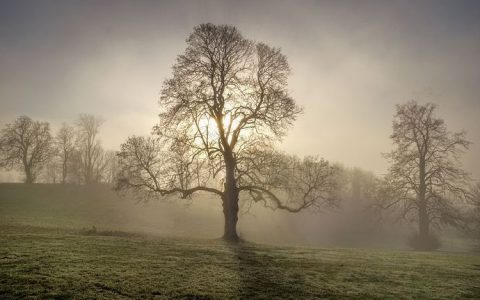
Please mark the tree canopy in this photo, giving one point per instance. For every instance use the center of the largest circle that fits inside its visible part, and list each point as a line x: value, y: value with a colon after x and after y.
x: 222, y: 112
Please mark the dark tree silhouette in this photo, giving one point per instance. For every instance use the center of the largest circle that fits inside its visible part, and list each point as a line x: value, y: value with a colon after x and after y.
x: 26, y: 144
x: 65, y: 143
x: 425, y: 179
x: 222, y: 111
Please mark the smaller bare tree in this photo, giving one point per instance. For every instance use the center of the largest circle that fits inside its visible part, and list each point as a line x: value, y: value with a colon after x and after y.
x: 88, y: 146
x: 110, y: 167
x: 65, y: 144
x: 425, y: 180
x: 26, y: 144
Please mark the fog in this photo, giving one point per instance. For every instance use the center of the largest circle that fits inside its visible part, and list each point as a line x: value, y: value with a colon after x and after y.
x: 351, y: 63
x: 84, y: 207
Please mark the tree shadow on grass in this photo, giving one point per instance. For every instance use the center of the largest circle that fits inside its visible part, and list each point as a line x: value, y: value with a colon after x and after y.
x: 264, y: 276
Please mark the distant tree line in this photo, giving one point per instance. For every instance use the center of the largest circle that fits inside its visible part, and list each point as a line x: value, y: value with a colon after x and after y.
x: 424, y: 185
x: 72, y: 155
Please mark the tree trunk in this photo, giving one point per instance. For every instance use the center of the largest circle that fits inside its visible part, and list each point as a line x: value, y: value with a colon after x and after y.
x: 230, y: 201
x: 64, y: 172
x: 423, y: 222
x: 28, y: 170
x: 423, y: 218
x: 28, y: 176
x: 230, y: 212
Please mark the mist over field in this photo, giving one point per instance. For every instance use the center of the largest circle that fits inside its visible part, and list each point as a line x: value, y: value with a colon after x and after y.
x: 78, y: 207
x: 239, y: 150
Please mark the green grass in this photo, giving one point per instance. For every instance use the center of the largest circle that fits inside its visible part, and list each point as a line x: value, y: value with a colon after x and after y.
x: 62, y: 264
x: 41, y: 261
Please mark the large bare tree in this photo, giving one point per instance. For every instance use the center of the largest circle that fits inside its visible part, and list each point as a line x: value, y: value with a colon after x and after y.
x: 425, y: 179
x: 26, y: 144
x: 65, y: 143
x: 221, y: 113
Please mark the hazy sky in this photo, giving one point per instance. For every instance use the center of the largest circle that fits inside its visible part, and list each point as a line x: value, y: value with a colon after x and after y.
x: 352, y: 61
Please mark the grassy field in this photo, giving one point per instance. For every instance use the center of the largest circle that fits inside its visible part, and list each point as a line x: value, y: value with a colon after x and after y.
x: 43, y: 261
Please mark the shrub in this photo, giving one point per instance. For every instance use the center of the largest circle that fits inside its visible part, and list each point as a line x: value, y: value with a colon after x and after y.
x: 117, y: 233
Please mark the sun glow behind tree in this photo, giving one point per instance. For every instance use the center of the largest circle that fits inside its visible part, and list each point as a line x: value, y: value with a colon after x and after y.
x: 222, y: 112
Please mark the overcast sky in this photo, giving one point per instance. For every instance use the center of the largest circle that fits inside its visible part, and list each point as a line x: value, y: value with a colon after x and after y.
x: 352, y: 61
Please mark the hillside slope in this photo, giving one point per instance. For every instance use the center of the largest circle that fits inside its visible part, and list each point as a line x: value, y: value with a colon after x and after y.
x: 77, y: 206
